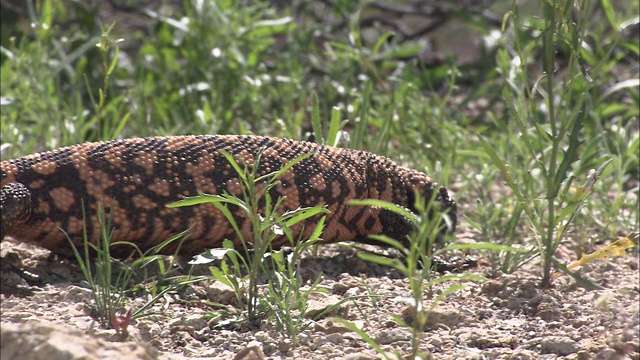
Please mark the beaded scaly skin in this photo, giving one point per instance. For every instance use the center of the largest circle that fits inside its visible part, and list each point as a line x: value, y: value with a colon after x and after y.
x: 133, y: 179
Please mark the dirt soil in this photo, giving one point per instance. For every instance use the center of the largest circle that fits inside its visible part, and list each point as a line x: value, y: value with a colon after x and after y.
x: 506, y: 317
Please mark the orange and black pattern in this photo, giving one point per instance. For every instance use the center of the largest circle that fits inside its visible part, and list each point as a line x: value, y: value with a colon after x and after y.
x: 133, y: 180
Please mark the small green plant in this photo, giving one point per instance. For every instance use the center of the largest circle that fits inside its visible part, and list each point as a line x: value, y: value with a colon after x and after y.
x: 287, y: 295
x: 232, y: 276
x: 108, y: 295
x: 111, y: 280
x: 416, y: 265
x: 108, y: 113
x: 283, y: 292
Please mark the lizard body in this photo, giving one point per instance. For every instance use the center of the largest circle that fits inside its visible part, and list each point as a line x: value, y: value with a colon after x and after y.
x: 133, y: 179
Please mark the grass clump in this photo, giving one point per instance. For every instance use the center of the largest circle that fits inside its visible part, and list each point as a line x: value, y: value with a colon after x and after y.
x: 112, y: 281
x: 549, y: 111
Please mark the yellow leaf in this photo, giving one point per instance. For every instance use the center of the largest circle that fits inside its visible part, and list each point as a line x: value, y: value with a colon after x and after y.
x: 617, y: 248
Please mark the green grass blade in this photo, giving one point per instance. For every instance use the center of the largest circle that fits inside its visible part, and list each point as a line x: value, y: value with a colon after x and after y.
x: 384, y: 205
x: 315, y: 118
x: 334, y: 127
x: 364, y: 336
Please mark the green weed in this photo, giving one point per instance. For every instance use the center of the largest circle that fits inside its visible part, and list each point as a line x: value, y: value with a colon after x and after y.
x: 549, y: 112
x: 111, y: 280
x: 416, y: 265
x: 284, y: 298
x: 109, y: 298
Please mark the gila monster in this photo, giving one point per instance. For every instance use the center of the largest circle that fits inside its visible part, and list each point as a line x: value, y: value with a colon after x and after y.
x: 133, y: 179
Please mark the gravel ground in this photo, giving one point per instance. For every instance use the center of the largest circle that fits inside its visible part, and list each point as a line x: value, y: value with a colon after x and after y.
x: 506, y: 317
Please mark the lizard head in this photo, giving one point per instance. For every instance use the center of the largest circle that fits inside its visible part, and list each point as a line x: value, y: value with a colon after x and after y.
x: 423, y: 197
